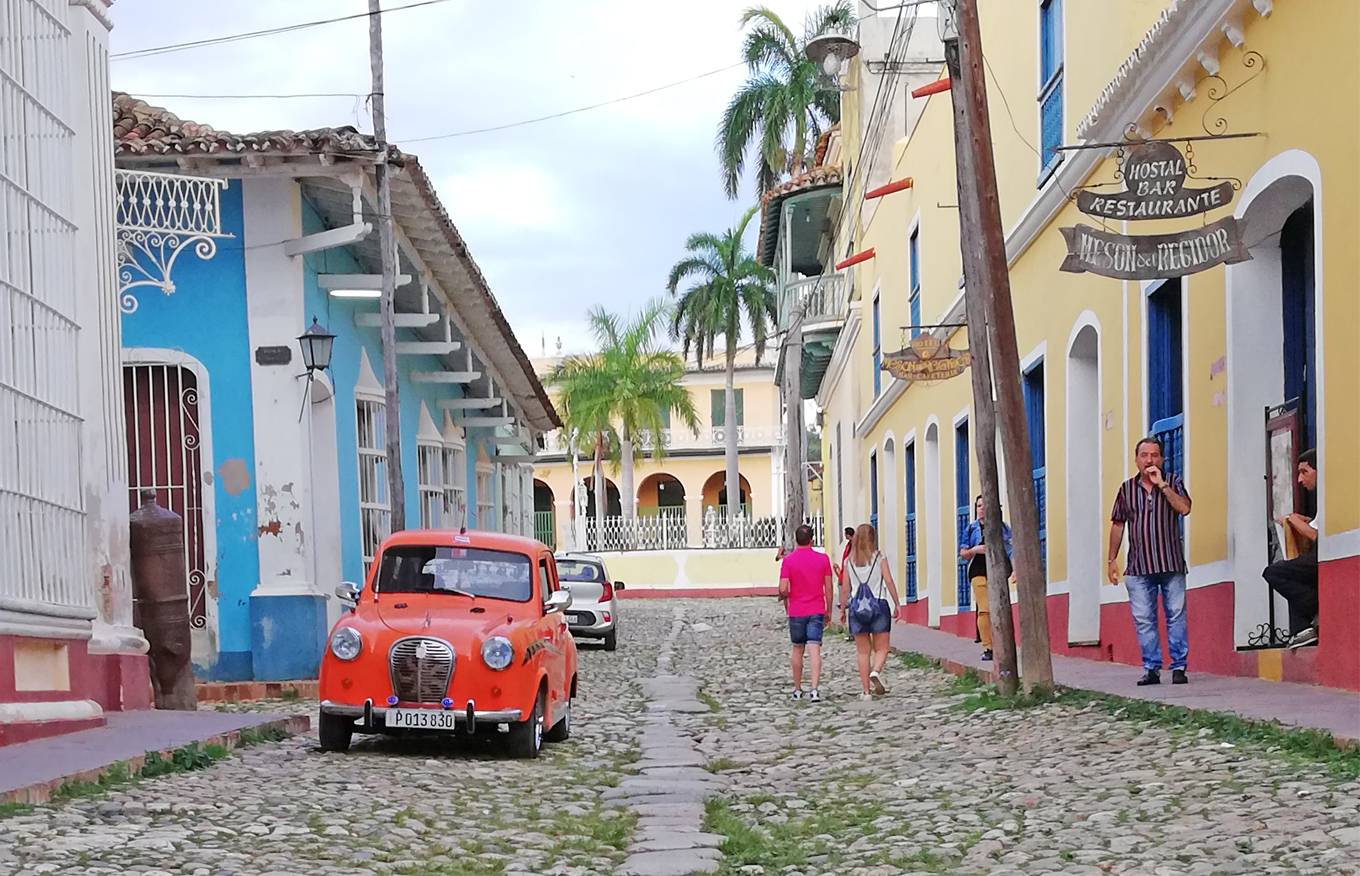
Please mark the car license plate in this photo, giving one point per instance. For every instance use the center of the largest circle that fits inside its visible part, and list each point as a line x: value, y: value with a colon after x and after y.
x: 579, y: 619
x: 420, y: 719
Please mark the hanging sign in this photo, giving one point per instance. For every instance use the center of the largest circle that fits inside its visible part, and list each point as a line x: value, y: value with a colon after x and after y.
x: 1153, y: 256
x: 1154, y: 188
x: 927, y: 359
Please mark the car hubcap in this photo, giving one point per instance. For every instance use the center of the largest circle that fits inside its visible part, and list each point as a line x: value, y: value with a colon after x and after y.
x: 538, y: 733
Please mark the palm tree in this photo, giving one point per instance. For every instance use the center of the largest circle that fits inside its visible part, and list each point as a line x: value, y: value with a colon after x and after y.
x: 611, y: 398
x: 730, y: 287
x: 785, y: 103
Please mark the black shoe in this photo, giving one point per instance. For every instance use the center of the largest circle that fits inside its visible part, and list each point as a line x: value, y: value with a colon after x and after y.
x: 1178, y: 677
x: 1152, y: 676
x: 987, y: 655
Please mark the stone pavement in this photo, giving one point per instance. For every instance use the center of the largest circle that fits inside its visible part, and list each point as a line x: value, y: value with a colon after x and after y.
x: 1299, y: 705
x: 911, y: 783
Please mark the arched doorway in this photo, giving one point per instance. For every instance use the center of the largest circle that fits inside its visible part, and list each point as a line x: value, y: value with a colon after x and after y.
x: 1272, y: 377
x: 933, y: 527
x: 890, y: 522
x: 1084, y: 520
x: 715, y: 491
x: 661, y: 493
x: 545, y: 521
x: 613, y: 505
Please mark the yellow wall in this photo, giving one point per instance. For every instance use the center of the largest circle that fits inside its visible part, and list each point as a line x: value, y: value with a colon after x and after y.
x: 1294, y: 112
x: 682, y: 570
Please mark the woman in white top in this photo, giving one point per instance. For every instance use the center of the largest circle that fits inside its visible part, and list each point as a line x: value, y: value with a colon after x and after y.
x: 868, y: 568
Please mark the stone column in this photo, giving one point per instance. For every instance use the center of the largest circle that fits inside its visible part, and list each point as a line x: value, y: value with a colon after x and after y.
x: 103, y: 453
x: 287, y: 611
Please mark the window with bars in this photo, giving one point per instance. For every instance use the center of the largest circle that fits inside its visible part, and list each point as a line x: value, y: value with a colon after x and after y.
x: 455, y: 485
x: 878, y: 351
x: 430, y: 481
x: 909, y: 465
x: 1033, y: 387
x: 486, y: 497
x: 1050, y: 85
x: 375, y: 509
x: 963, y: 510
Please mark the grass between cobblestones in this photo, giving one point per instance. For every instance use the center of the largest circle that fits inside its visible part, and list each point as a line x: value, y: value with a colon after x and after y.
x: 1299, y: 744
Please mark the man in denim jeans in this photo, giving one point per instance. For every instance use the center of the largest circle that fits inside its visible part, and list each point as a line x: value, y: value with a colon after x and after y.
x: 1151, y: 506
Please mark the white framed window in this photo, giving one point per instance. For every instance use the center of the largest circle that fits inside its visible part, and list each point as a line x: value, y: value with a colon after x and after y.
x: 375, y: 509
x: 486, y: 496
x: 430, y: 480
x: 455, y: 485
x: 509, y: 498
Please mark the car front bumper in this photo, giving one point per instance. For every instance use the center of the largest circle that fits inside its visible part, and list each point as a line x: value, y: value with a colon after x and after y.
x: 377, y: 715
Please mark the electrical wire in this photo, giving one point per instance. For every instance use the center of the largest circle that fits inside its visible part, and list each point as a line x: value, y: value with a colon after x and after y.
x: 350, y: 94
x: 236, y: 37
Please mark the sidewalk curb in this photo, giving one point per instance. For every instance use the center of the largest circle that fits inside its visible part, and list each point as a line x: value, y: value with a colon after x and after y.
x: 248, y: 691
x: 42, y: 792
x: 989, y: 676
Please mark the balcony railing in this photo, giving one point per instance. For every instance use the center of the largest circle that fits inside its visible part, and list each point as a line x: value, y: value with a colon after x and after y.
x: 822, y: 299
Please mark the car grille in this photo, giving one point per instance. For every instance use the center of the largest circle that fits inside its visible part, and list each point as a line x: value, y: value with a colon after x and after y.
x: 421, y: 669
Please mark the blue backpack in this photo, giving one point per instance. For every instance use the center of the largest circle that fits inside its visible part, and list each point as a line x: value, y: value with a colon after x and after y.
x: 864, y: 605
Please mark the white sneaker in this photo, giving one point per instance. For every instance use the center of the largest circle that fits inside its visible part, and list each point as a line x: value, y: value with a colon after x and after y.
x: 866, y: 697
x: 797, y: 694
x: 876, y: 684
x: 814, y: 696
x: 1303, y: 637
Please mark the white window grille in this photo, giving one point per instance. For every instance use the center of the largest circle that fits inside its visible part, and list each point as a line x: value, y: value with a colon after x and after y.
x: 430, y: 482
x: 42, y: 528
x: 509, y: 498
x: 486, y: 497
x: 455, y: 485
x: 375, y: 509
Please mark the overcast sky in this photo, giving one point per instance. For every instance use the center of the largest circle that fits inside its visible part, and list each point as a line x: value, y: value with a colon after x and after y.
x: 591, y: 208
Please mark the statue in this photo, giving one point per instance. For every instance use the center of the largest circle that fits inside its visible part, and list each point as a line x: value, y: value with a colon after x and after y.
x: 161, y: 598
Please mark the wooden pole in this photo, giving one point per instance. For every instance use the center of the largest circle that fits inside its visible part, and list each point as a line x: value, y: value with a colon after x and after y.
x: 984, y: 410
x: 994, y: 279
x: 396, y: 491
x: 794, y: 482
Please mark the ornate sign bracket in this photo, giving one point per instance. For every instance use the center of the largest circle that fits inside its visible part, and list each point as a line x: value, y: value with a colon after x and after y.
x: 159, y: 216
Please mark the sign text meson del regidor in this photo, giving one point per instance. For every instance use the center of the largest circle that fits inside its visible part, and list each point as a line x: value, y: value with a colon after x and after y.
x: 1154, y: 177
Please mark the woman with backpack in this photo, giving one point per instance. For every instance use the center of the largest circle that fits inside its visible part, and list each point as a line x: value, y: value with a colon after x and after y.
x: 866, y: 582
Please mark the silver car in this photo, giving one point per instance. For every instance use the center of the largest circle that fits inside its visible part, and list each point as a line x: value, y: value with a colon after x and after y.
x: 594, y: 611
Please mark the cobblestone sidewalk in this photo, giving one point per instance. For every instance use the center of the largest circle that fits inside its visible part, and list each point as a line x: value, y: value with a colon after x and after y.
x: 907, y: 784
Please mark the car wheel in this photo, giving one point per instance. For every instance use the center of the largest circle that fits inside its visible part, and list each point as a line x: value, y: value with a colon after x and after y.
x: 561, y: 731
x: 526, y: 737
x: 611, y: 640
x: 336, y: 732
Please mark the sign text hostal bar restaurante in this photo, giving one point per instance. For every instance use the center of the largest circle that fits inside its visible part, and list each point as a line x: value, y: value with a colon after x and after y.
x: 1154, y: 178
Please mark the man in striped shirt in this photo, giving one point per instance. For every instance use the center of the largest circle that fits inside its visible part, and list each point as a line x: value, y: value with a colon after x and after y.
x: 1151, y: 506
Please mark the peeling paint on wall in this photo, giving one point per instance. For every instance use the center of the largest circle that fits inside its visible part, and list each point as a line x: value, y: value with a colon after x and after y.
x: 273, y: 527
x: 235, y: 476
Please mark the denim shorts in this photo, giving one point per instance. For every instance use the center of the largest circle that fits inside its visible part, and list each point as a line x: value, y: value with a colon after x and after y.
x: 881, y: 622
x: 806, y: 630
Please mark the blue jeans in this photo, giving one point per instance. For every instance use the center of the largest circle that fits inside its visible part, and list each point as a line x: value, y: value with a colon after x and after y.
x: 806, y: 630
x: 1143, y: 590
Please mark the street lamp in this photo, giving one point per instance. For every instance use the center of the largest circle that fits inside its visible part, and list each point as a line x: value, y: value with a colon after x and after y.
x: 830, y: 51
x: 317, y: 345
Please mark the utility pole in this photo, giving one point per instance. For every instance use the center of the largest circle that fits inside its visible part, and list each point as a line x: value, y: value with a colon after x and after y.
x: 977, y: 190
x: 984, y: 409
x: 387, y: 244
x: 794, y: 481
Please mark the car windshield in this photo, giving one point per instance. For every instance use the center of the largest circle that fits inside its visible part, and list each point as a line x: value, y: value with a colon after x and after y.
x: 579, y: 570
x: 470, y: 571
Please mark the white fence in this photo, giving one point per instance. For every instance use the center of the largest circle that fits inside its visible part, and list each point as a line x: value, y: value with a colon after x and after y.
x: 669, y: 531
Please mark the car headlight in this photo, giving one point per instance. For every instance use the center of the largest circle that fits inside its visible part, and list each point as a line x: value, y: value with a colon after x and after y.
x: 346, y: 643
x: 497, y: 652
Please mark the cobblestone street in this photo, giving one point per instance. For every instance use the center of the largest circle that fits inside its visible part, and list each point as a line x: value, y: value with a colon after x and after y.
x: 911, y: 783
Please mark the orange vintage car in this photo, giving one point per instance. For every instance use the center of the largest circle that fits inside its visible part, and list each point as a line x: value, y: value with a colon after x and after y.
x: 453, y: 632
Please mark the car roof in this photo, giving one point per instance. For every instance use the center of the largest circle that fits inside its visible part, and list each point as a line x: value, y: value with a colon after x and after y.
x: 473, y: 538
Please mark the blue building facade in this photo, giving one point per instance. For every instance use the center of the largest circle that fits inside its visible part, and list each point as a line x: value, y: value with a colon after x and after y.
x: 281, y: 477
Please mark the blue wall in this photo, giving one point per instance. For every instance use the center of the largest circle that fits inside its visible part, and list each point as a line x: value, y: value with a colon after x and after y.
x: 338, y: 316
x: 206, y: 318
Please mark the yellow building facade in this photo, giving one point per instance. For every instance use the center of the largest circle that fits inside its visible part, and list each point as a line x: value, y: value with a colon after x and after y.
x: 1237, y: 368
x: 677, y: 495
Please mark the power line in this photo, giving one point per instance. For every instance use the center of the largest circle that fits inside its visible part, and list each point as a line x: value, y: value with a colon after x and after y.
x: 255, y: 96
x: 236, y: 37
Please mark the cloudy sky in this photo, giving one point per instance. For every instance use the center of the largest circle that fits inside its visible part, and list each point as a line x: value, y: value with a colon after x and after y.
x: 590, y: 208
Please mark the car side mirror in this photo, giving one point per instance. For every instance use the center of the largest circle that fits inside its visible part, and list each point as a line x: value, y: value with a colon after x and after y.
x: 560, y: 600
x: 348, y: 592
x: 618, y: 585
